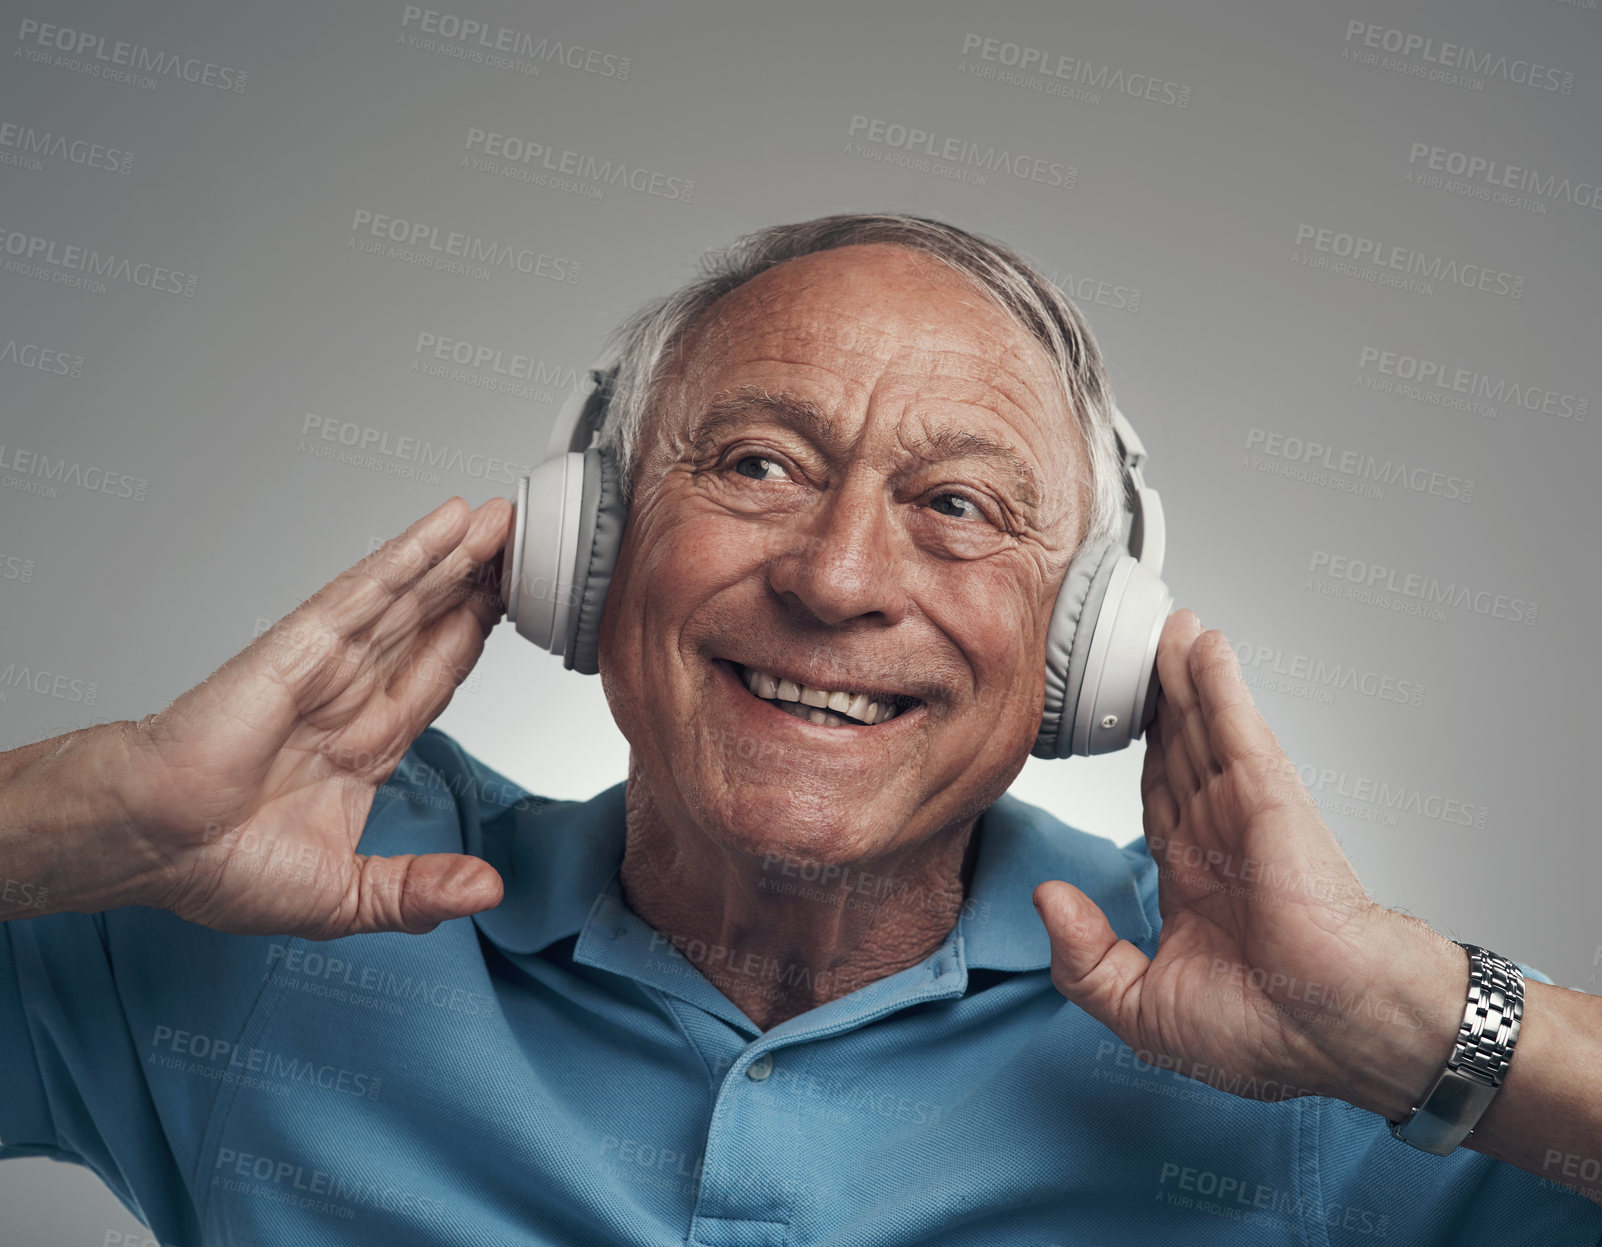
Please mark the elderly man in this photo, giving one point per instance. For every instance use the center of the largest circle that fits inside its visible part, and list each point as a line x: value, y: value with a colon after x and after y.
x: 785, y: 985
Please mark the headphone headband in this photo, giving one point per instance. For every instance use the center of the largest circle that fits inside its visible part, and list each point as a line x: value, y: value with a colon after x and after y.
x: 1147, y: 539
x: 580, y: 416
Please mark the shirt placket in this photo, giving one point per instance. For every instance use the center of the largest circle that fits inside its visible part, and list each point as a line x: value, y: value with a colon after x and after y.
x: 754, y: 1172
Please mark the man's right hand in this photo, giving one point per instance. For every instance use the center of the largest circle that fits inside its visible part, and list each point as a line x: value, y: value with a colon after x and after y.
x: 240, y: 805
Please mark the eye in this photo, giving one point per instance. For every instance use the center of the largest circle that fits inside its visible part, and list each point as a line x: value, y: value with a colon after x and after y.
x: 757, y: 468
x: 957, y: 506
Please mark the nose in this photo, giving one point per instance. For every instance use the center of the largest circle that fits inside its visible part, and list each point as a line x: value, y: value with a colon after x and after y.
x: 848, y: 561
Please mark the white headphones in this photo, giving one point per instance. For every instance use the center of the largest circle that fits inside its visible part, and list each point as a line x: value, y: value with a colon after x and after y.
x: 1101, y: 651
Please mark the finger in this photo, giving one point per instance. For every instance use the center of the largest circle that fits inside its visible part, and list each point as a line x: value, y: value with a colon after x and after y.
x: 425, y: 684
x: 1161, y: 821
x: 1182, y: 777
x: 1182, y: 692
x: 1157, y: 798
x: 415, y: 894
x: 462, y: 576
x: 313, y: 652
x: 475, y: 593
x: 358, y: 597
x: 332, y: 675
x: 1234, y: 725
x: 472, y: 570
x: 487, y: 605
x: 1090, y: 965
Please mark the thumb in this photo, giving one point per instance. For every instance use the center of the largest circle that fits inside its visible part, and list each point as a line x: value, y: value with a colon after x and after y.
x: 1090, y: 965
x: 415, y: 894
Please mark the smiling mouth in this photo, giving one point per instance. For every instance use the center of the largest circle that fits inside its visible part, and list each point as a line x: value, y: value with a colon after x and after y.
x: 824, y: 707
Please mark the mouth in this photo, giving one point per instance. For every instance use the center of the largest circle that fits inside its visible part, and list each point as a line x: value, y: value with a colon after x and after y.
x: 824, y: 707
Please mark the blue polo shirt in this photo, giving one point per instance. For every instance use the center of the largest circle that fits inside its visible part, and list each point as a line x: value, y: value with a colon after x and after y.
x: 555, y: 1071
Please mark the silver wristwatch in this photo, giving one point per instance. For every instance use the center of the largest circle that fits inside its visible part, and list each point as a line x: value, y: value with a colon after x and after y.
x: 1451, y: 1108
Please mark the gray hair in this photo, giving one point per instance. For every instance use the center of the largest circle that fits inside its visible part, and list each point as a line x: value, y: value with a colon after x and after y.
x: 646, y: 342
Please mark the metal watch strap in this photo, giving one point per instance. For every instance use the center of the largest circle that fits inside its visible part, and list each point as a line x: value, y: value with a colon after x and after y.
x: 1465, y: 1088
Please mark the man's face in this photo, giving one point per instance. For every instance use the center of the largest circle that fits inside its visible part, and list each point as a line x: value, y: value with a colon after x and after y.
x: 862, y: 478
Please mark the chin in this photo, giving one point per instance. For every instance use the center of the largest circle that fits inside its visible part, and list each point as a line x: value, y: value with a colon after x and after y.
x: 771, y: 819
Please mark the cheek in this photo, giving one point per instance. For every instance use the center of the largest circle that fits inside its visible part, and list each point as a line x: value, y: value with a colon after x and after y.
x: 994, y: 619
x: 656, y: 586
x: 691, y: 557
x: 672, y: 561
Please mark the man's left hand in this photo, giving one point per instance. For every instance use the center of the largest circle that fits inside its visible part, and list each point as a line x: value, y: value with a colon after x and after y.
x: 1275, y: 973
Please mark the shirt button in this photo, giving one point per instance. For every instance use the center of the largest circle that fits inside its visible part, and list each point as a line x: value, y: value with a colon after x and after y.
x: 760, y: 1068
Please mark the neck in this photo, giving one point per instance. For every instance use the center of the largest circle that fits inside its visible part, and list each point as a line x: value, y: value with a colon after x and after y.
x: 779, y: 936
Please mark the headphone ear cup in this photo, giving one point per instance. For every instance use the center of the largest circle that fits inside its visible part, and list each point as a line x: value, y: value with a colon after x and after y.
x: 1118, y: 690
x: 1068, y: 642
x: 1101, y: 654
x: 537, y: 568
x: 602, y: 517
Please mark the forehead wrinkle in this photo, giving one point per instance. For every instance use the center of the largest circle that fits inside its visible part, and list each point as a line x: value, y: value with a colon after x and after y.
x: 768, y: 307
x: 943, y: 445
x: 735, y: 407
x: 1012, y: 368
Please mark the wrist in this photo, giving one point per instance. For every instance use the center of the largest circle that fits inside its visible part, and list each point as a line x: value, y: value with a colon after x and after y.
x: 1398, y: 1035
x: 69, y: 837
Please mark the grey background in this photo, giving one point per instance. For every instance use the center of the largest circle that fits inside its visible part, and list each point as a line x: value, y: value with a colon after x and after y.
x: 1197, y: 208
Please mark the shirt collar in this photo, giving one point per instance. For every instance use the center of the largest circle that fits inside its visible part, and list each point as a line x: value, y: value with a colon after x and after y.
x: 1020, y: 847
x: 557, y: 860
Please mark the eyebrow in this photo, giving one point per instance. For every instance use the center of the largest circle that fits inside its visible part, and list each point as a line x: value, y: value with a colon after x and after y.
x: 807, y: 419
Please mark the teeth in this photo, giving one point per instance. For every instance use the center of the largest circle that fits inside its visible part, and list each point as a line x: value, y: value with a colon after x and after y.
x: 817, y: 705
x: 811, y: 714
